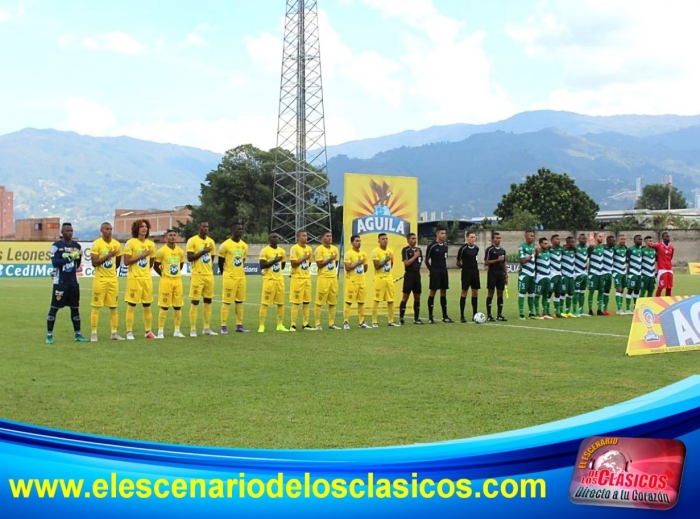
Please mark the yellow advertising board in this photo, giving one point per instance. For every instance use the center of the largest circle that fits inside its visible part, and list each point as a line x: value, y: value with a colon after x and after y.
x: 694, y: 269
x: 375, y: 204
x: 665, y: 325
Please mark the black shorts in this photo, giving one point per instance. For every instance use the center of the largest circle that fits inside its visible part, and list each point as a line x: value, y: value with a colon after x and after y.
x: 65, y: 295
x: 470, y: 279
x: 411, y: 283
x: 496, y: 280
x: 439, y: 280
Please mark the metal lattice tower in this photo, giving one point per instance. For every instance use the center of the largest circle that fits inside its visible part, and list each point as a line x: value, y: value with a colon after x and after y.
x: 301, y: 199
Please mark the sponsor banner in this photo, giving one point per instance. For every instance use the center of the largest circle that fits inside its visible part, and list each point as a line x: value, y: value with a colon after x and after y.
x: 628, y: 472
x: 665, y: 325
x: 25, y: 252
x: 254, y: 269
x: 375, y: 204
x: 24, y: 270
x: 513, y: 268
x: 694, y: 269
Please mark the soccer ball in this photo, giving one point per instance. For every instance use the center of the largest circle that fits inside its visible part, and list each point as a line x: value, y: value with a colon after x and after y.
x: 479, y: 318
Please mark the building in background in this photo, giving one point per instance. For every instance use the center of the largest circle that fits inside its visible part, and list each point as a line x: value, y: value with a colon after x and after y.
x: 7, y: 213
x: 39, y: 229
x: 161, y: 220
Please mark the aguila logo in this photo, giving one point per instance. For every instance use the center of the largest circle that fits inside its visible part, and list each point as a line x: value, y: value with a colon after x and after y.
x: 380, y: 209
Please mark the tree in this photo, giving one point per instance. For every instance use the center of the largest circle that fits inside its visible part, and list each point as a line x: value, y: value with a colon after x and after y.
x: 520, y: 220
x: 553, y: 198
x: 655, y: 197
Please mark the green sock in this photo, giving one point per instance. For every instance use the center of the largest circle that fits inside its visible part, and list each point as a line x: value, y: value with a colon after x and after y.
x: 618, y: 301
x: 521, y: 304
x: 590, y: 301
x: 545, y: 305
x: 599, y: 301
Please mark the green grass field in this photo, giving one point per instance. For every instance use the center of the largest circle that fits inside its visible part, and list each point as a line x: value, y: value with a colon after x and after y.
x: 329, y: 389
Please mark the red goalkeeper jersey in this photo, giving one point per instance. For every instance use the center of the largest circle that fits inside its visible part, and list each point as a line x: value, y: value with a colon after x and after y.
x: 664, y: 256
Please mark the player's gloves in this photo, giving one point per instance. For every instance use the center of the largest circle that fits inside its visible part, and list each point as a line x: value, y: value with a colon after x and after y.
x: 66, y: 255
x: 75, y: 255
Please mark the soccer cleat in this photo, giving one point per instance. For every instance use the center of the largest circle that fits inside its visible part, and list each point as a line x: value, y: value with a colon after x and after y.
x: 160, y: 335
x: 560, y: 316
x: 346, y: 325
x: 261, y: 329
x: 116, y: 337
x: 447, y: 320
x: 490, y: 319
x: 193, y: 333
x: 463, y: 320
x: 630, y: 312
x: 431, y: 321
x: 149, y: 335
x: 620, y: 312
x: 282, y: 328
x: 584, y: 314
x: 129, y: 336
x: 501, y: 319
x: 375, y: 325
x: 93, y: 337
x: 590, y: 312
x: 80, y: 338
x: 309, y: 328
x: 49, y: 339
x: 393, y: 324
x: 178, y: 334
x: 241, y: 329
x: 223, y: 330
x: 402, y: 322
x: 364, y: 325
x: 570, y: 315
x: 334, y: 327
x: 293, y: 328
x: 546, y: 316
x: 418, y: 321
x: 607, y: 312
x: 533, y: 316
x: 319, y: 328
x: 209, y: 331
x: 522, y: 317
x: 600, y: 312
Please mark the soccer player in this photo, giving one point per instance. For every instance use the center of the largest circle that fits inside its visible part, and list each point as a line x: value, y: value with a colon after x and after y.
x: 436, y: 261
x: 581, y: 271
x: 634, y: 273
x: 497, y: 278
x: 568, y: 276
x: 232, y: 255
x: 326, y: 256
x: 355, y: 263
x: 596, y: 278
x: 620, y: 272
x: 300, y: 285
x: 664, y: 261
x: 139, y: 256
x: 169, y: 261
x: 649, y: 259
x: 383, y: 260
x: 65, y: 258
x: 556, y: 253
x: 106, y: 255
x: 272, y: 262
x: 201, y: 250
x: 412, y: 258
x: 607, y: 271
x: 526, y: 275
x: 468, y: 261
x: 543, y: 279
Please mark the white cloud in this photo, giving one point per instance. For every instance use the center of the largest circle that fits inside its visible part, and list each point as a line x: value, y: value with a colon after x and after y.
x: 115, y: 41
x: 194, y: 39
x: 4, y: 16
x: 265, y: 51
x: 87, y: 116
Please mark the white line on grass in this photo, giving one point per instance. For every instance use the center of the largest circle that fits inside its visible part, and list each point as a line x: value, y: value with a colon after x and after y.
x: 559, y: 330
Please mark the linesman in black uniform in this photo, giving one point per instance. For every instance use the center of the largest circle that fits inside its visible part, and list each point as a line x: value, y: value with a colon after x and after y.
x: 495, y: 260
x: 412, y: 258
x: 468, y: 261
x: 436, y: 261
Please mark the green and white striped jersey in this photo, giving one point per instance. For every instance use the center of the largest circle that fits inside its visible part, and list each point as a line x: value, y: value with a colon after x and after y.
x: 648, y: 262
x: 543, y: 265
x: 581, y: 260
x: 568, y: 260
x: 595, y: 267
x: 525, y: 250
x: 555, y: 258
x: 619, y: 259
x: 634, y: 254
x: 608, y: 253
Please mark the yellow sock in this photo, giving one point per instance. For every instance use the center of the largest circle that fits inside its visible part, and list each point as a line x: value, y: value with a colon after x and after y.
x: 114, y: 319
x: 295, y: 312
x: 361, y: 312
x: 375, y: 312
x: 147, y: 318
x: 224, y: 313
x: 130, y: 310
x: 390, y: 311
x: 346, y: 312
x: 280, y: 315
x: 177, y: 317
x: 317, y: 314
x: 305, y: 312
x: 331, y: 315
x: 239, y: 314
x: 94, y: 319
x: 162, y: 315
x: 262, y: 314
x: 193, y: 316
x: 206, y: 315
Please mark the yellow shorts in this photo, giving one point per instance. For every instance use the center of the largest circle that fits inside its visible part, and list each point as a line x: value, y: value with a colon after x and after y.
x: 139, y: 291
x: 170, y: 293
x: 201, y: 287
x: 355, y: 292
x: 300, y: 291
x: 105, y: 291
x: 272, y: 292
x: 234, y: 290
x: 327, y: 291
x: 384, y: 290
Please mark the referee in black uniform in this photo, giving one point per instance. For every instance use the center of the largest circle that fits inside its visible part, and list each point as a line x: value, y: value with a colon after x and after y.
x: 412, y: 258
x: 436, y: 261
x: 495, y: 260
x: 468, y: 261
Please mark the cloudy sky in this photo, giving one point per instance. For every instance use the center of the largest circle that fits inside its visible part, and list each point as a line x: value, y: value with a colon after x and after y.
x: 205, y: 73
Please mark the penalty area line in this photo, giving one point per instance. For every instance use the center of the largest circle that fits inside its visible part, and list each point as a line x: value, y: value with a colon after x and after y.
x: 561, y: 331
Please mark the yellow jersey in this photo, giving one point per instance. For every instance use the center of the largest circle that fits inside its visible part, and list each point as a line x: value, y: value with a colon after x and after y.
x: 295, y: 254
x: 203, y: 265
x: 170, y: 261
x: 142, y: 268
x: 380, y: 254
x: 234, y: 255
x: 358, y: 273
x: 268, y: 254
x: 101, y: 248
x: 324, y: 253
